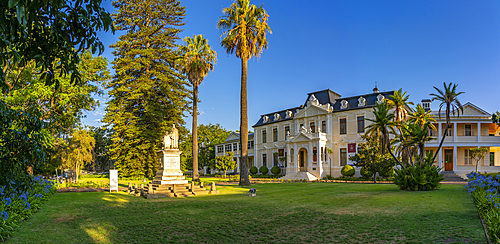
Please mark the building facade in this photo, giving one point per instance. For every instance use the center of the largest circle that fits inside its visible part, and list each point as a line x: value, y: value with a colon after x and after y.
x: 318, y: 136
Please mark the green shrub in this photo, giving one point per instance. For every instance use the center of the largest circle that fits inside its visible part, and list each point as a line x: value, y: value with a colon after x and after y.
x: 275, y: 170
x: 365, y: 173
x: 348, y: 171
x: 412, y: 178
x: 263, y: 170
x: 387, y: 172
x: 254, y: 170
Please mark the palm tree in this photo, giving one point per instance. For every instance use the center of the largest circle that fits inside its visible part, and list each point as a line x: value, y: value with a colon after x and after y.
x: 245, y: 27
x: 198, y: 60
x: 382, y: 125
x: 399, y: 102
x: 420, y: 116
x: 448, y: 99
x: 418, y: 135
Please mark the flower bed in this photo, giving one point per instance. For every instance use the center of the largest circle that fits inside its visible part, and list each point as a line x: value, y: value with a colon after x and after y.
x: 484, y: 190
x: 17, y: 205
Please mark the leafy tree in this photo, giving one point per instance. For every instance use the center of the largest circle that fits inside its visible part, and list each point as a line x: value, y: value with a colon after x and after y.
x: 100, y: 158
x: 198, y: 60
x: 80, y: 150
x: 225, y: 163
x: 43, y: 32
x: 371, y: 158
x: 449, y: 99
x: 148, y: 93
x: 399, y: 102
x: 477, y: 154
x: 495, y: 118
x: 208, y: 136
x: 245, y: 28
x: 62, y: 106
x: 22, y: 137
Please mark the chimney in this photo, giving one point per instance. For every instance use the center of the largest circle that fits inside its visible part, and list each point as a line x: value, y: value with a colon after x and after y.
x: 427, y: 104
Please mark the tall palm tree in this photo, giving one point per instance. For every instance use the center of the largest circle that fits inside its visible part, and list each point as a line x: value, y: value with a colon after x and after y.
x: 198, y: 59
x: 245, y: 27
x: 382, y: 125
x: 399, y: 102
x: 449, y: 99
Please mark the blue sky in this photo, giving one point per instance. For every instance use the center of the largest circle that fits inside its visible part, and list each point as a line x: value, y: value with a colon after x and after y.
x: 347, y: 46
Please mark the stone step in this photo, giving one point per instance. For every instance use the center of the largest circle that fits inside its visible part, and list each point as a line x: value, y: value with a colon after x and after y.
x: 450, y: 176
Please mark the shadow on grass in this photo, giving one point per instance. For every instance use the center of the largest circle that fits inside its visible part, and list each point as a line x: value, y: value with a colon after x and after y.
x: 280, y: 213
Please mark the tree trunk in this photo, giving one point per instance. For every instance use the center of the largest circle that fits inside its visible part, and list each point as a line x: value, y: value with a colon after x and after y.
x: 196, y: 177
x: 375, y: 177
x: 244, y: 179
x: 445, y: 132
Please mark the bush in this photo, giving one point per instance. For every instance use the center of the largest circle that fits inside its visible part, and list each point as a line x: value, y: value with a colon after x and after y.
x: 348, y: 171
x: 387, y: 172
x: 254, y: 170
x: 263, y: 170
x: 485, y: 192
x: 412, y: 178
x: 275, y: 170
x: 365, y: 173
x: 19, y: 205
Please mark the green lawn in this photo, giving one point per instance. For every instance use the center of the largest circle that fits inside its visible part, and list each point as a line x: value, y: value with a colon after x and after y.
x: 281, y: 213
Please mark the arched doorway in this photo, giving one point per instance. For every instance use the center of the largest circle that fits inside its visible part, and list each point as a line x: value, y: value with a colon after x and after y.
x: 302, y: 159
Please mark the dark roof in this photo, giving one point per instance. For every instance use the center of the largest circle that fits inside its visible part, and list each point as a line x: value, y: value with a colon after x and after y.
x: 352, y: 102
x: 270, y: 116
x: 324, y: 96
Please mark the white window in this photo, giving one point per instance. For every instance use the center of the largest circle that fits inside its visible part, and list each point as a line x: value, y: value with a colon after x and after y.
x: 229, y: 148
x: 220, y: 149
x: 468, y: 130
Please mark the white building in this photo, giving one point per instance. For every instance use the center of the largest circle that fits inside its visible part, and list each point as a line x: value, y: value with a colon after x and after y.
x: 327, y: 121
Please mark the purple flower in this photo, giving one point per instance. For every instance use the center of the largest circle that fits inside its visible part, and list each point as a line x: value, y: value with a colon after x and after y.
x: 7, y: 201
x: 4, y: 215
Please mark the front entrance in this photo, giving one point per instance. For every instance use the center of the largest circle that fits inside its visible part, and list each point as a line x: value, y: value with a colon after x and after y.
x: 448, y: 160
x: 303, y: 159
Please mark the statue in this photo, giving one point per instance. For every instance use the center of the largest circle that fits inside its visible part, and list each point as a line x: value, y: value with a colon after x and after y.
x: 171, y: 140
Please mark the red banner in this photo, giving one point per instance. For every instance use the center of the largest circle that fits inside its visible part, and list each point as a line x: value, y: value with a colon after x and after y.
x: 351, y: 148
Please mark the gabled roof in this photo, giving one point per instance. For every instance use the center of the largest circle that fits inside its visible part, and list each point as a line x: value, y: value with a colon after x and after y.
x: 470, y: 110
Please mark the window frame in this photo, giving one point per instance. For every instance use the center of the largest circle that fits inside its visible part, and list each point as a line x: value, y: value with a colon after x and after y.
x: 361, y: 119
x: 343, y: 126
x: 343, y: 156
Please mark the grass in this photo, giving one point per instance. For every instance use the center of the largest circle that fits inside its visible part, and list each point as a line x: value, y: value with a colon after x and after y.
x: 281, y: 213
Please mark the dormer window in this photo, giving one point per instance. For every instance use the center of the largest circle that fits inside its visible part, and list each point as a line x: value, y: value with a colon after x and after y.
x: 343, y: 104
x: 266, y: 119
x: 361, y: 101
x: 276, y: 116
x: 289, y: 114
x: 380, y: 98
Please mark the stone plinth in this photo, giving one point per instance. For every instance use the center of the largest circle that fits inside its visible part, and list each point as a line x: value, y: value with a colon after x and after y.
x: 170, y: 168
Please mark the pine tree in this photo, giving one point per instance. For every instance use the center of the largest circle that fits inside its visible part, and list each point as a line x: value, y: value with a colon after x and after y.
x: 148, y: 94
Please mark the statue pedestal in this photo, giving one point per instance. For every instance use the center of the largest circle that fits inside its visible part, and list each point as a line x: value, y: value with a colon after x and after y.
x: 170, y: 168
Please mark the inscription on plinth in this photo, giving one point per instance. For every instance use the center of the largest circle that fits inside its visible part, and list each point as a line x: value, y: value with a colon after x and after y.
x: 169, y: 171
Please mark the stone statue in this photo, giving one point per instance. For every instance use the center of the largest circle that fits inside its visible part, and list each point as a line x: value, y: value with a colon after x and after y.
x: 171, y: 140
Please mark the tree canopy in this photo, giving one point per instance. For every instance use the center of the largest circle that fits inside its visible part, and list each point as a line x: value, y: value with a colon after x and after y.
x: 51, y: 34
x: 147, y: 94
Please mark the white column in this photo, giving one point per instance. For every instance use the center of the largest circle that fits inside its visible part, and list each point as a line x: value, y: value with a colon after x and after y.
x: 295, y: 158
x: 440, y: 158
x: 328, y: 125
x: 310, y: 156
x: 237, y: 165
x: 439, y: 132
x: 478, y: 132
x: 454, y: 158
x: 454, y: 132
